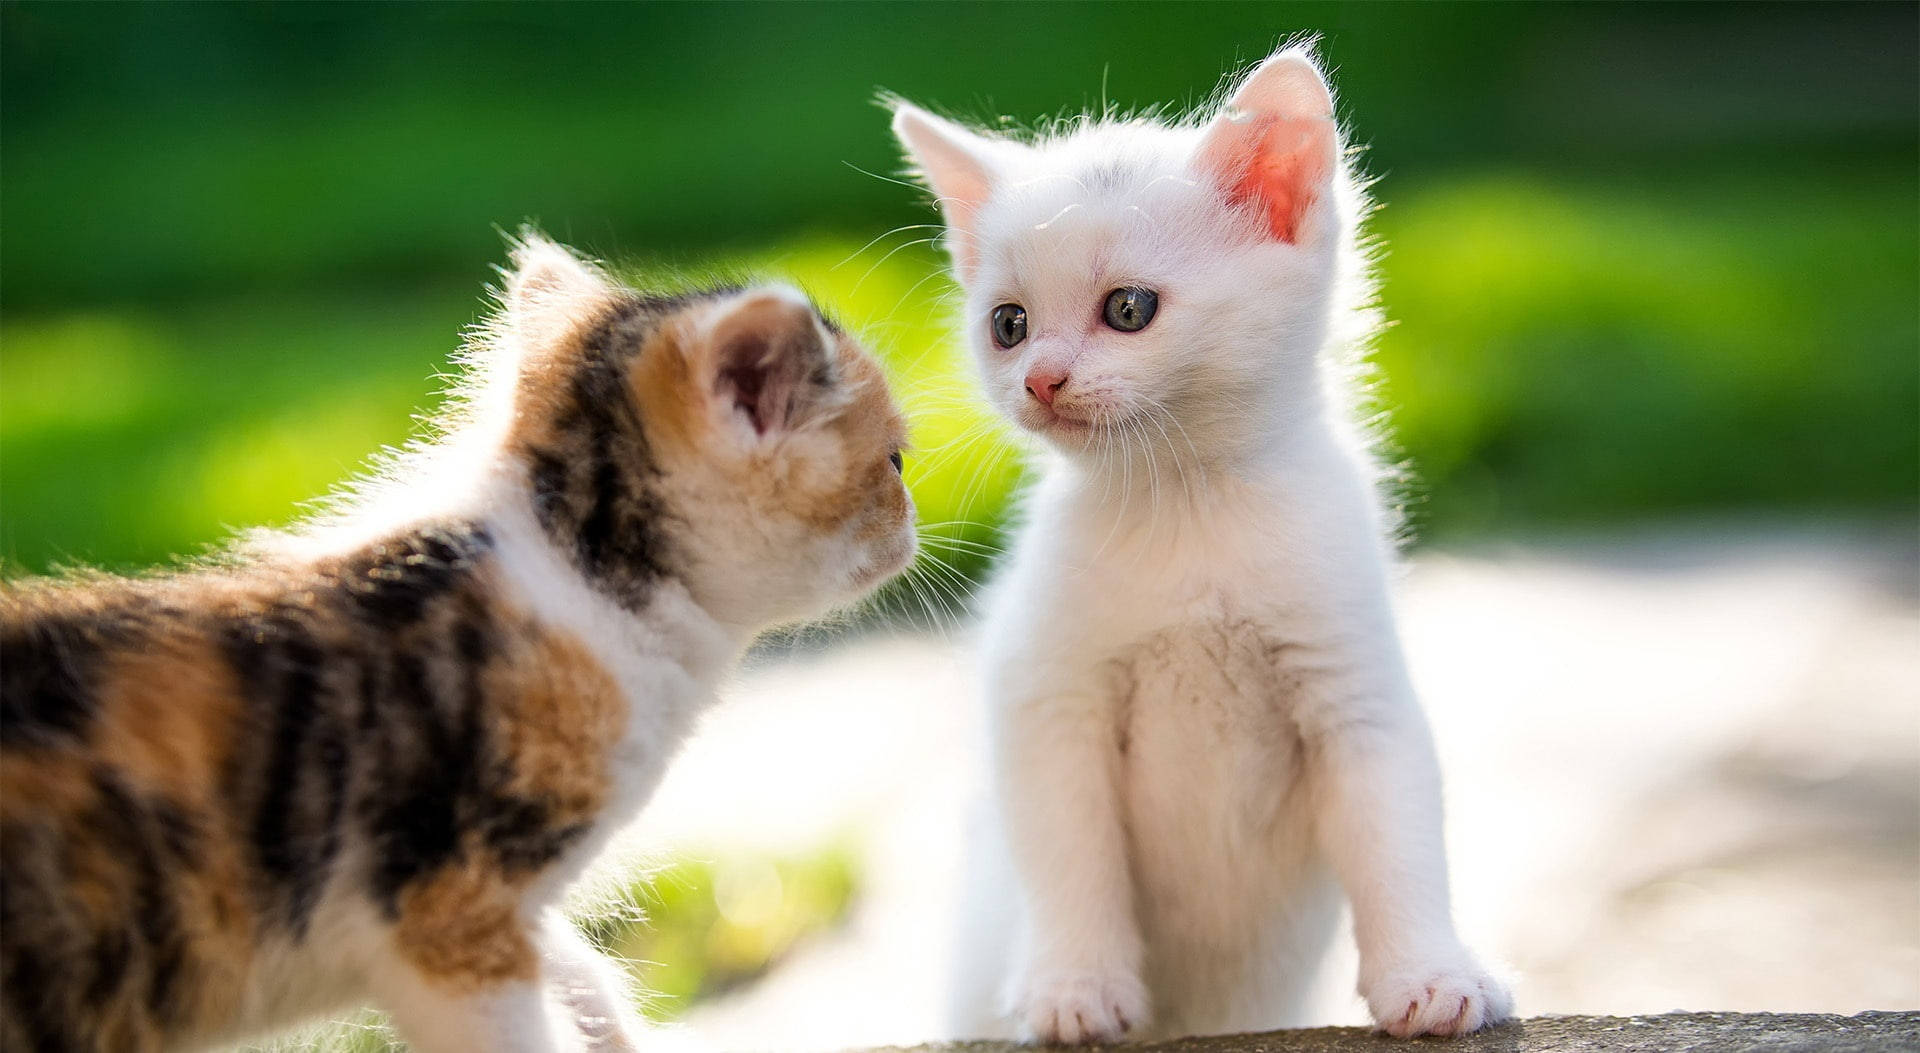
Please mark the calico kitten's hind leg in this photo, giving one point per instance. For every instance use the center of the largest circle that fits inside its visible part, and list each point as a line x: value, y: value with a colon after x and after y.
x: 497, y: 985
x: 436, y: 1017
x: 466, y: 973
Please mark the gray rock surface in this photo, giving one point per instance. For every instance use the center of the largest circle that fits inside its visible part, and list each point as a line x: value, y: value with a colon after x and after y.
x: 1666, y: 1033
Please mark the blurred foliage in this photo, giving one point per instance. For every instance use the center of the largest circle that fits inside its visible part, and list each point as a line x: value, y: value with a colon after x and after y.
x: 1573, y: 354
x: 1641, y: 261
x: 1563, y: 353
x: 706, y: 927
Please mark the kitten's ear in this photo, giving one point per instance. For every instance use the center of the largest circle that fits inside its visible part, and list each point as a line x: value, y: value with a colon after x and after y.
x: 764, y: 357
x: 547, y: 287
x: 957, y: 165
x: 1274, y: 146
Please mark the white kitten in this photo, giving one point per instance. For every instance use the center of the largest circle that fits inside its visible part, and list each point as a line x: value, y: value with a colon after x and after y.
x: 1200, y: 714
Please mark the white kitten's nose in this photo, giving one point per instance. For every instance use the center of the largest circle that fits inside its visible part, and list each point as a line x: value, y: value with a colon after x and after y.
x: 1043, y: 381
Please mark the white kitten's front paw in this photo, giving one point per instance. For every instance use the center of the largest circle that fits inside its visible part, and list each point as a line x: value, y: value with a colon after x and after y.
x: 1080, y: 1008
x: 1441, y: 995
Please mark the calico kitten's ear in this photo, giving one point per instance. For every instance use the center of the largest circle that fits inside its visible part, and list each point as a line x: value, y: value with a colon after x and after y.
x: 957, y: 165
x: 547, y: 287
x: 1274, y: 147
x: 765, y: 358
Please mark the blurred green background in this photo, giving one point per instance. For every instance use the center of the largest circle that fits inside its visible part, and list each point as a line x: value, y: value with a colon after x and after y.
x: 1644, y: 261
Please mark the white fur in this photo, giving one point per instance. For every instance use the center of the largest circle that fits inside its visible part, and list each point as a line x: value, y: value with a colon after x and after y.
x: 1203, y: 729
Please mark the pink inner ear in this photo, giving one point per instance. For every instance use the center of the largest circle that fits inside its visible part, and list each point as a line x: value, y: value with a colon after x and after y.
x: 759, y: 380
x: 1287, y: 163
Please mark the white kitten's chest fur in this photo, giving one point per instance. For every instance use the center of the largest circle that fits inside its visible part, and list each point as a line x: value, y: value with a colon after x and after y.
x: 1217, y: 821
x: 1183, y: 618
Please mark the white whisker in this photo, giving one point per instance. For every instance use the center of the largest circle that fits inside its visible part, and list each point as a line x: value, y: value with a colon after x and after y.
x: 856, y: 253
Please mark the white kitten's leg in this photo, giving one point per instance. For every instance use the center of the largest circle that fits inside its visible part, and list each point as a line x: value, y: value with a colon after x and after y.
x: 590, y: 997
x: 435, y: 1017
x: 1377, y: 789
x: 1077, y: 969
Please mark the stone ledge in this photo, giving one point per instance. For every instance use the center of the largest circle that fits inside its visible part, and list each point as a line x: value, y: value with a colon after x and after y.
x: 1666, y: 1033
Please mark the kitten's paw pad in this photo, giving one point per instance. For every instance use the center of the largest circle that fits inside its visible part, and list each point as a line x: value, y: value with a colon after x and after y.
x: 1436, y: 998
x: 1081, y: 1009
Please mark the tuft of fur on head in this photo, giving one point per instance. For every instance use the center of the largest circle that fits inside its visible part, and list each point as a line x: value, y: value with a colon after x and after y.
x: 1246, y: 214
x: 442, y: 470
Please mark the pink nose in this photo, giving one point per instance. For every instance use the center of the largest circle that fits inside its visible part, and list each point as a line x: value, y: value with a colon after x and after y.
x: 1043, y: 381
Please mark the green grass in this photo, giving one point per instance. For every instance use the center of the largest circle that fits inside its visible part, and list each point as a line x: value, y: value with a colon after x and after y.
x: 704, y: 927
x: 1561, y: 354
x: 1569, y: 354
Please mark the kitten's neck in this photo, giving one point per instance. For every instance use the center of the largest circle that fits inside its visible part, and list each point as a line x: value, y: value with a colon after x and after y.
x: 622, y: 619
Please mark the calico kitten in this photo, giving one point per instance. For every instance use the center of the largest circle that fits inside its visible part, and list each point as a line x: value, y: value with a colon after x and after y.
x: 1199, y: 710
x: 363, y: 760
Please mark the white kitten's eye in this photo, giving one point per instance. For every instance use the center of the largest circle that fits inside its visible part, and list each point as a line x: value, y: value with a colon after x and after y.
x: 1130, y: 309
x: 1009, y: 324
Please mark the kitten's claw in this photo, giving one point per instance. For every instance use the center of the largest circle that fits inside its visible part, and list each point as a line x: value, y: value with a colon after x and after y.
x: 1082, y: 1009
x: 1440, y: 996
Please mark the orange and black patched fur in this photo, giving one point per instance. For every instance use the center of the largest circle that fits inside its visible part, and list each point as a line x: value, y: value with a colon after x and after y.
x: 361, y: 761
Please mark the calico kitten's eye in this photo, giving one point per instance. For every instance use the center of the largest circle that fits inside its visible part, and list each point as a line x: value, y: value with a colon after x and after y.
x: 1130, y: 309
x: 899, y: 463
x: 1009, y: 324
